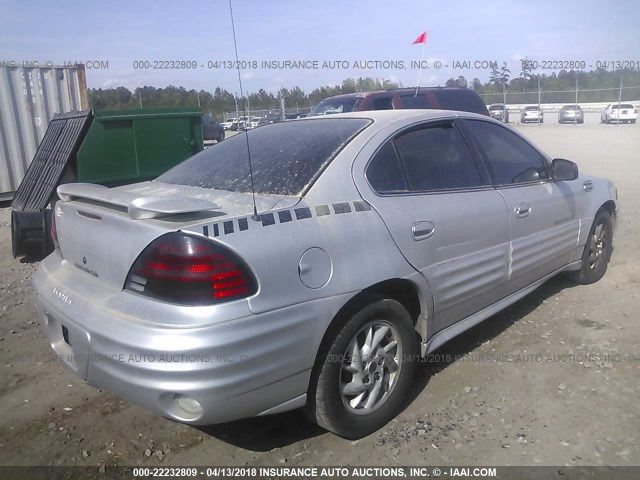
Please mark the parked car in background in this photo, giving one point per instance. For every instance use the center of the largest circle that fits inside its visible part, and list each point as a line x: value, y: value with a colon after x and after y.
x: 293, y: 116
x: 239, y: 124
x: 253, y: 122
x: 532, y: 113
x: 620, y: 113
x: 499, y: 112
x: 571, y: 113
x: 272, y: 118
x: 211, y: 129
x: 291, y: 307
x: 227, y: 123
x: 442, y: 98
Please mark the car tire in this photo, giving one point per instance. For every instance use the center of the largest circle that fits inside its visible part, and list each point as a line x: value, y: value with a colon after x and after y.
x: 597, y: 252
x: 352, y: 398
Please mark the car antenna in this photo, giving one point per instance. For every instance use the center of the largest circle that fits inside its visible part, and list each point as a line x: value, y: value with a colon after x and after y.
x: 255, y: 215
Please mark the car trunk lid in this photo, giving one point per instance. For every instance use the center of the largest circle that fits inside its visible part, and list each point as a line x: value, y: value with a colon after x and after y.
x: 101, y: 231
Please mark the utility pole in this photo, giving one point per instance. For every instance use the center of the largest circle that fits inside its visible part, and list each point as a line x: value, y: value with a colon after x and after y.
x: 619, y: 100
x: 140, y: 98
x: 504, y: 100
x: 575, y: 117
x: 539, y: 106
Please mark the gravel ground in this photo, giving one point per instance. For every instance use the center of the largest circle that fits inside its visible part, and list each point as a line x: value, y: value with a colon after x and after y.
x: 466, y: 408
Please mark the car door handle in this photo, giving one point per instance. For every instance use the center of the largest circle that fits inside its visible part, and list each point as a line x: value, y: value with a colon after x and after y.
x: 522, y: 210
x: 422, y: 230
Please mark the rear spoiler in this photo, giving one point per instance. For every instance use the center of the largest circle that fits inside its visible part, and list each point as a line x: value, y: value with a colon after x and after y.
x: 137, y: 207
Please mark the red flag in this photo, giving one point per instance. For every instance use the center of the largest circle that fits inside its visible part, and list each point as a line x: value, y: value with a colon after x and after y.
x: 422, y: 38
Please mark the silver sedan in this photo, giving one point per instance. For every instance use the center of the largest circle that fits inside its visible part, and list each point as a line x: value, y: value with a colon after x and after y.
x: 318, y: 273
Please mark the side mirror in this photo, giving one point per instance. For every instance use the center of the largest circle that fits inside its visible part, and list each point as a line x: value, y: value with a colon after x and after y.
x: 564, y: 170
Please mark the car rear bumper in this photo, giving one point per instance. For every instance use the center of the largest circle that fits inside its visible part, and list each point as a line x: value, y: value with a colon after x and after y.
x: 237, y: 368
x: 621, y: 118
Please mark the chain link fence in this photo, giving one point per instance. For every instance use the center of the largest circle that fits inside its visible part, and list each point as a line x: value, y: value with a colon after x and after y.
x: 282, y: 113
x: 591, y: 99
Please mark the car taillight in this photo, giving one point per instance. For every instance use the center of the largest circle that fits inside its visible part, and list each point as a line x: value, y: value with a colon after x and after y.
x: 184, y: 269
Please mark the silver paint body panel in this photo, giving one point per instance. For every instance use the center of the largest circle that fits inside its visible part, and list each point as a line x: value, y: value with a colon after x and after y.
x: 465, y: 253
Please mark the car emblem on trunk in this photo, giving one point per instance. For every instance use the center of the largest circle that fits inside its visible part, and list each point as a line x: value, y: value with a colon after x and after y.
x: 62, y: 296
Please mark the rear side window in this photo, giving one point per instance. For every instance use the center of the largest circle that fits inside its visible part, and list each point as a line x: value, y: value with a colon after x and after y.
x: 380, y: 103
x: 335, y: 105
x: 414, y: 101
x: 437, y: 158
x: 461, y: 100
x: 385, y: 173
x: 285, y: 157
x: 509, y: 158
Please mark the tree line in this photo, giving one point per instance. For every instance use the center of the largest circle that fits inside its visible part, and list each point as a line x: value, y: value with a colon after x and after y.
x: 594, y: 86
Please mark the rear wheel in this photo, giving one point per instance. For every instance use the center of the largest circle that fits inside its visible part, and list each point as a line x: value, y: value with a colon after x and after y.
x: 597, y: 251
x: 361, y: 381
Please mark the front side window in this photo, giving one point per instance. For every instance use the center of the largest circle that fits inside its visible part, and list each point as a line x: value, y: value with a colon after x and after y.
x: 509, y: 158
x: 437, y: 158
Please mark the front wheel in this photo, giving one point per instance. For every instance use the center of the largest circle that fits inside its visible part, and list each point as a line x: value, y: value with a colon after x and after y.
x: 597, y: 252
x: 361, y: 382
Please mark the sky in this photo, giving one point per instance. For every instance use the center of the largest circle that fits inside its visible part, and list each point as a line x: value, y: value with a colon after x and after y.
x: 117, y: 36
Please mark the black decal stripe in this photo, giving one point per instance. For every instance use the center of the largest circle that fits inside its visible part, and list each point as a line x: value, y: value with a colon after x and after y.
x: 342, y: 207
x: 284, y: 216
x: 267, y: 219
x: 322, y: 210
x: 361, y: 206
x: 302, y: 213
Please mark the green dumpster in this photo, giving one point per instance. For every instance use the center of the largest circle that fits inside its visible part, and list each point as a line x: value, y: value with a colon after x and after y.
x: 124, y: 146
x: 109, y: 147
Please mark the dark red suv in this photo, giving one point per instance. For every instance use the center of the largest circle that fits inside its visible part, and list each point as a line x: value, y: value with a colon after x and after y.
x: 444, y: 98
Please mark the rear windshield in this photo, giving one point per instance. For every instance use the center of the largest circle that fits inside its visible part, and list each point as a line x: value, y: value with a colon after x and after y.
x: 335, y: 105
x: 285, y: 157
x: 497, y: 106
x: 532, y: 108
x: 622, y: 105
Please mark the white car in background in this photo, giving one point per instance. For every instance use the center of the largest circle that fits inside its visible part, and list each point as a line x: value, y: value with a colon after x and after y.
x: 620, y: 113
x: 532, y: 113
x: 254, y: 121
x: 227, y: 123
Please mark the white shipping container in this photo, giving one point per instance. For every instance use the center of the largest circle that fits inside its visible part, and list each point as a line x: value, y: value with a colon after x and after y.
x: 29, y: 98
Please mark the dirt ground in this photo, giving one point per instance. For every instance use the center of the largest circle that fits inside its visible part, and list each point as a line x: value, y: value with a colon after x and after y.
x: 491, y: 399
